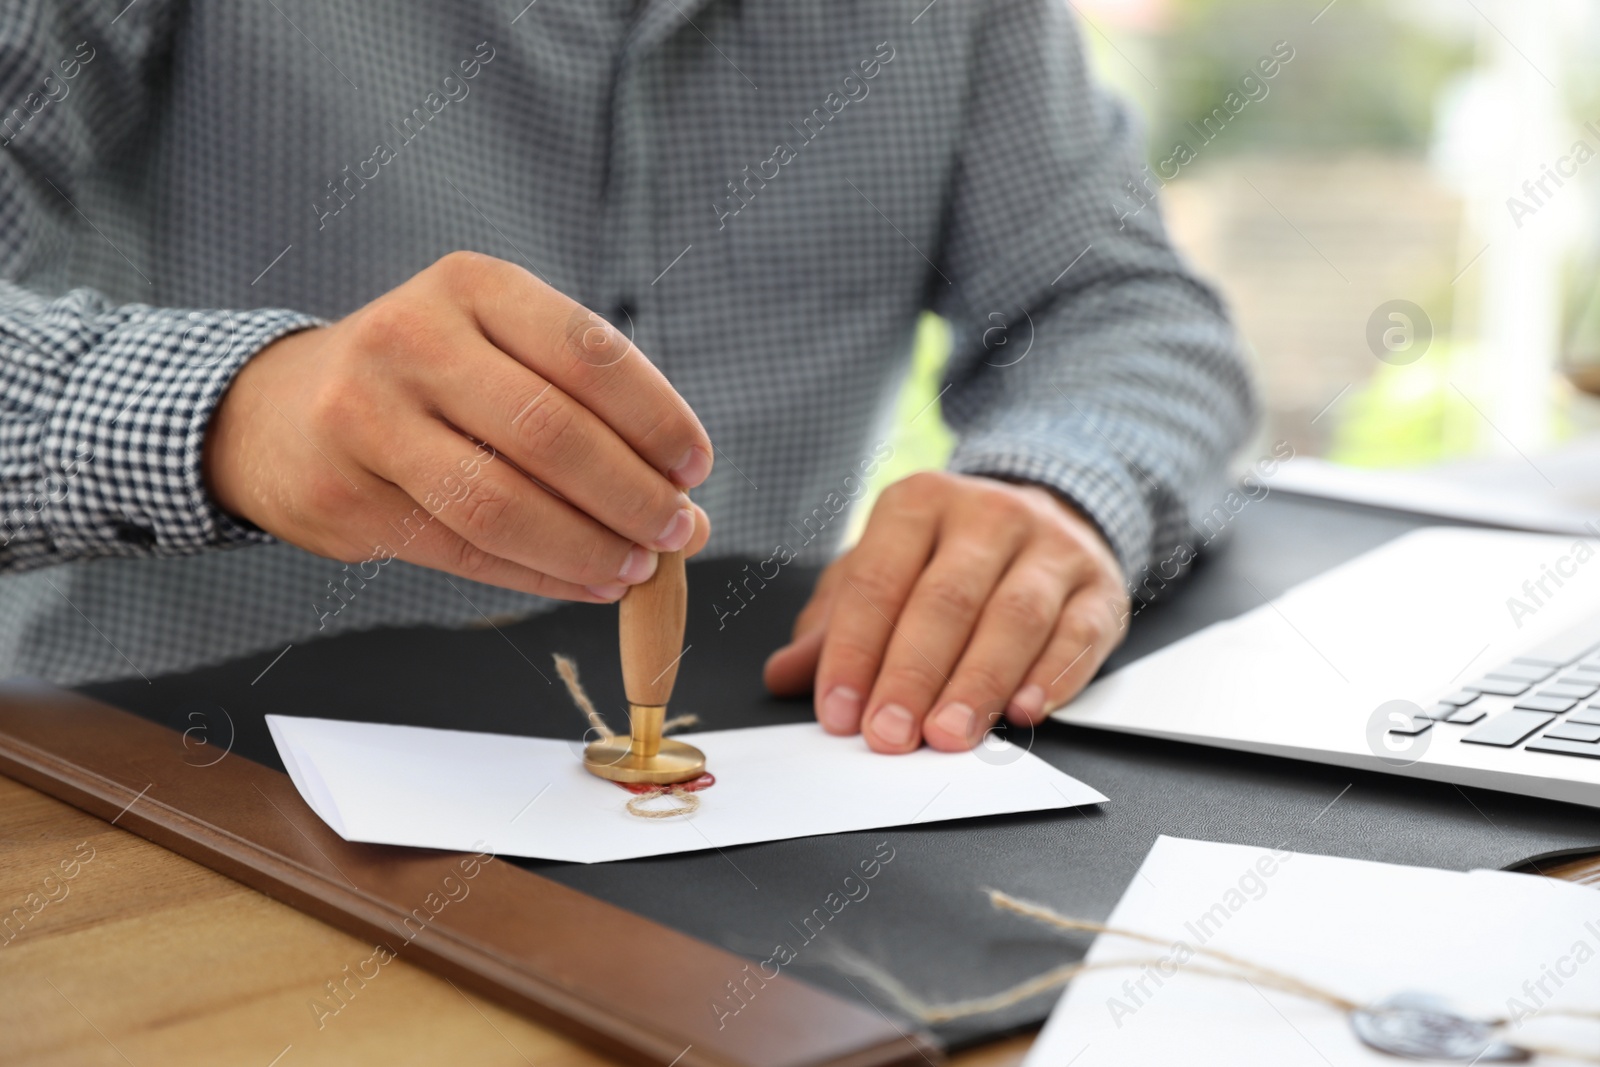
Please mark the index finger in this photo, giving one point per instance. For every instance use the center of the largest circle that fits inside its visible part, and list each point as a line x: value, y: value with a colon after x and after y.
x: 875, y: 581
x: 591, y: 361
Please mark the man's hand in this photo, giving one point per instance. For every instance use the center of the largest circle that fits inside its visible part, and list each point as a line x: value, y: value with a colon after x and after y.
x: 363, y: 438
x: 966, y: 598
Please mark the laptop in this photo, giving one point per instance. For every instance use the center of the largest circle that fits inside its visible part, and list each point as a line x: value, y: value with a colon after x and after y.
x: 1457, y: 655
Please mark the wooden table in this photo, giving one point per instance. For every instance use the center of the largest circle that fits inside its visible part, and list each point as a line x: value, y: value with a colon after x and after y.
x: 146, y: 958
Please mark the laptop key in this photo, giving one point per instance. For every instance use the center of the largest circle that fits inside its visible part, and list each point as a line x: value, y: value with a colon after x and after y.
x: 1537, y: 661
x: 1564, y: 748
x: 1503, y: 687
x: 1509, y: 728
x: 1522, y: 672
x: 1419, y: 724
x: 1439, y: 712
x: 1466, y: 716
x: 1460, y: 696
x: 1541, y: 702
x: 1591, y: 678
x: 1568, y: 689
x: 1590, y: 715
x: 1574, y: 731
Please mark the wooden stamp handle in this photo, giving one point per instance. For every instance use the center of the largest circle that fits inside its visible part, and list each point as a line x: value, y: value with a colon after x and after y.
x: 652, y: 616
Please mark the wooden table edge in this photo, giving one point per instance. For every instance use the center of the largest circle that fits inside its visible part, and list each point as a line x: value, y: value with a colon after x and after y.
x: 633, y: 989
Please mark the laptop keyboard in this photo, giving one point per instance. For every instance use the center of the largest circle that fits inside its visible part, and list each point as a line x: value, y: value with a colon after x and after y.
x: 1538, y: 703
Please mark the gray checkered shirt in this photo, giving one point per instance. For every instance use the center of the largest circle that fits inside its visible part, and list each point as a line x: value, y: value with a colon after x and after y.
x: 765, y: 194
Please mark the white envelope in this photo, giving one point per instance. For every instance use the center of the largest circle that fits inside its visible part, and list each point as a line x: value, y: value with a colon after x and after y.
x: 1491, y: 943
x: 528, y: 796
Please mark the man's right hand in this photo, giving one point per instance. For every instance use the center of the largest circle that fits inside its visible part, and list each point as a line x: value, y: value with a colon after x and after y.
x: 333, y: 437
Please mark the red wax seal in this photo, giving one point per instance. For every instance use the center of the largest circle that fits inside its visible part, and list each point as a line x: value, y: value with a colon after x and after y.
x: 693, y: 786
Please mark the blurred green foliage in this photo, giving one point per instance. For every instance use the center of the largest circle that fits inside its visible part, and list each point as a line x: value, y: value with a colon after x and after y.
x: 919, y: 436
x: 1364, y: 75
x: 1408, y: 416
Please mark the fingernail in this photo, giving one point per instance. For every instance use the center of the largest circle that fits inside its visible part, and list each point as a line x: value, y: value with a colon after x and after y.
x: 1029, y: 701
x: 893, y: 725
x: 676, y: 533
x: 612, y: 591
x: 640, y: 564
x: 692, y: 468
x: 956, y: 719
x: 841, y: 710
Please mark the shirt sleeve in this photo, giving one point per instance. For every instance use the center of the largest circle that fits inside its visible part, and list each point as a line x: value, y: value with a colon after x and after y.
x: 103, y: 405
x: 103, y: 426
x: 1087, y: 357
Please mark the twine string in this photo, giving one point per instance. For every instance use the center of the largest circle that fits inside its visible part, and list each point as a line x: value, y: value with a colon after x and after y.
x: 1233, y: 969
x: 568, y: 670
x: 1279, y: 979
x: 687, y: 802
x: 569, y: 674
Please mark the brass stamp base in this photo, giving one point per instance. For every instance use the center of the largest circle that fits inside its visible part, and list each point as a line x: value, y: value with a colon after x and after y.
x: 616, y: 761
x: 644, y: 757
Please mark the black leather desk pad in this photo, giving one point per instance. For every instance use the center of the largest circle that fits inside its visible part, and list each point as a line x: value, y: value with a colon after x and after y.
x: 924, y: 918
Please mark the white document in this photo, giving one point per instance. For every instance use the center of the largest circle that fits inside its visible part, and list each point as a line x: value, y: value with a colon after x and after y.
x: 528, y: 796
x: 1556, y: 492
x: 1491, y: 944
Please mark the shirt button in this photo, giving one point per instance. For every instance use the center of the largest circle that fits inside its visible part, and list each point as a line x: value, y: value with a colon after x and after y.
x: 131, y: 533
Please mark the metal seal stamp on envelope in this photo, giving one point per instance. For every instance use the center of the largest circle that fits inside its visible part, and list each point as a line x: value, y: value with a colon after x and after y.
x: 651, y: 621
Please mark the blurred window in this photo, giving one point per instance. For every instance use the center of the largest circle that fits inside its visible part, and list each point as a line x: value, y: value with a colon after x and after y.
x: 1402, y: 216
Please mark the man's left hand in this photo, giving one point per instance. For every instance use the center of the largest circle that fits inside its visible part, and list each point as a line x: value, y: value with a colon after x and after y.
x: 965, y: 599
